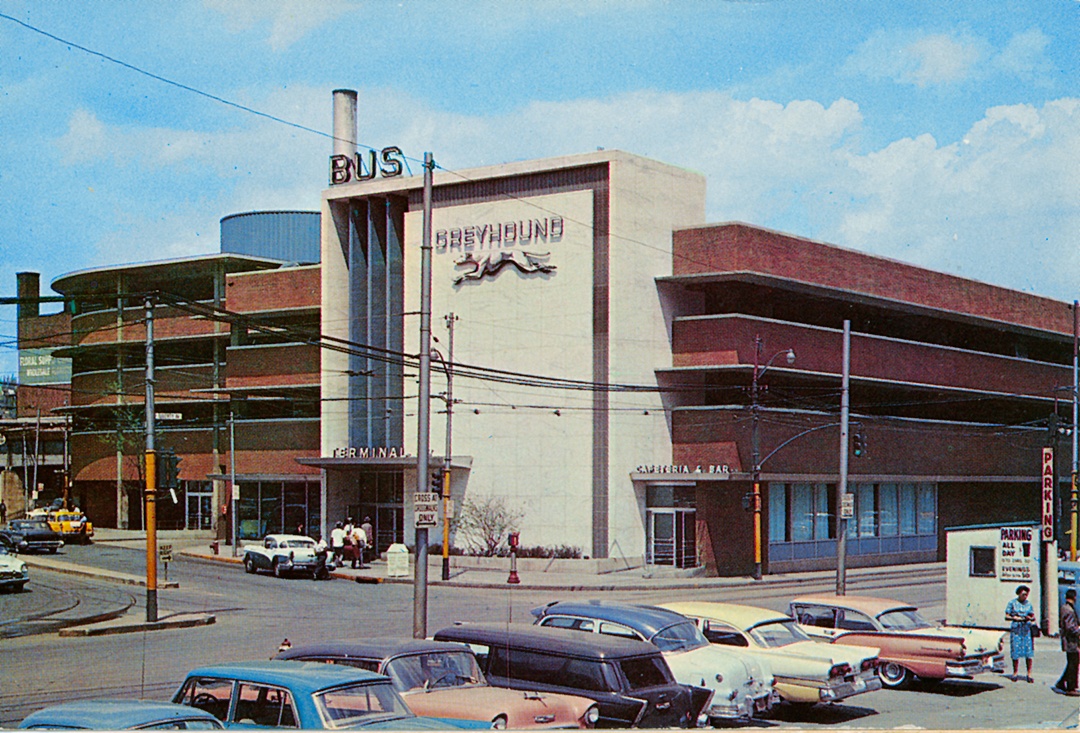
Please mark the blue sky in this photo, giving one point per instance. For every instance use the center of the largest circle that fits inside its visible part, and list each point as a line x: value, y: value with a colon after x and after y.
x: 942, y: 134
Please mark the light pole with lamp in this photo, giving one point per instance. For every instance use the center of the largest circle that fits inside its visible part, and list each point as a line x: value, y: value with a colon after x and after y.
x: 755, y: 442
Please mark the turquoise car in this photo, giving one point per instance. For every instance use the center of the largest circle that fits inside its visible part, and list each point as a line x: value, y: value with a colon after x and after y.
x: 308, y: 695
x: 120, y: 715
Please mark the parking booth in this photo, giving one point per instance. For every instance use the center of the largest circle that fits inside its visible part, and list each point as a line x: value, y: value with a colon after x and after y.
x: 984, y: 566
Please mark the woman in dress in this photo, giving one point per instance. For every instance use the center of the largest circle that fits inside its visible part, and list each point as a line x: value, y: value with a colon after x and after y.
x: 1022, y: 615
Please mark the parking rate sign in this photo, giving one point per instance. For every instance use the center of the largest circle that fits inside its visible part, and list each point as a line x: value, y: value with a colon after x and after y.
x: 1048, y: 494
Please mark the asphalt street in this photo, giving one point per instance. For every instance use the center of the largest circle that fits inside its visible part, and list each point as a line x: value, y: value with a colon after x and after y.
x: 254, y: 613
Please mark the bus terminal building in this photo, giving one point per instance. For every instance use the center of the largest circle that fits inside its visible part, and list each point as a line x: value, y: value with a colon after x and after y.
x: 604, y: 340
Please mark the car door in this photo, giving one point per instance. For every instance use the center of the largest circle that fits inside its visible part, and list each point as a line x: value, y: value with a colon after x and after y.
x: 818, y: 621
x: 263, y: 706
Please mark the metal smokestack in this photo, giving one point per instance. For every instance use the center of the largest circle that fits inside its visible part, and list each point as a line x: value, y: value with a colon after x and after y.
x: 345, y: 122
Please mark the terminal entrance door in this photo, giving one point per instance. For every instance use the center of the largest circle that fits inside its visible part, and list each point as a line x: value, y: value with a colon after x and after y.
x: 670, y: 526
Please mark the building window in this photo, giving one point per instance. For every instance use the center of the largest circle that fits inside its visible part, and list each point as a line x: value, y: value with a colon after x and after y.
x: 891, y: 517
x: 981, y: 562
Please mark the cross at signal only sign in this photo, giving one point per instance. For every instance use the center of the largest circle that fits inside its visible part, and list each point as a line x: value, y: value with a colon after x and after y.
x: 426, y: 510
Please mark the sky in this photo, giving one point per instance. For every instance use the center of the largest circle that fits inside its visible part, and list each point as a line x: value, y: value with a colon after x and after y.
x: 945, y: 135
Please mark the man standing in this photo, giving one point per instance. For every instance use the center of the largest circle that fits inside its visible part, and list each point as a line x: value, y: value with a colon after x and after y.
x: 359, y: 541
x: 369, y: 534
x: 3, y: 512
x: 337, y: 544
x: 1070, y: 644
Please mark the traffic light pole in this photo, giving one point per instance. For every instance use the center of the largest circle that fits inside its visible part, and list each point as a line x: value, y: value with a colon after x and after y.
x: 450, y: 319
x: 423, y: 411
x: 841, y: 486
x: 150, y: 493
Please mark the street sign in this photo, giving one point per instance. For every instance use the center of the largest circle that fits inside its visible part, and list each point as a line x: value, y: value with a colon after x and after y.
x: 168, y: 416
x: 426, y: 509
x: 164, y: 553
x: 1048, y: 494
x: 847, y: 506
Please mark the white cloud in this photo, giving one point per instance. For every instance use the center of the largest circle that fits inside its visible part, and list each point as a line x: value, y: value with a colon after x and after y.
x: 86, y: 138
x: 288, y: 20
x: 997, y: 205
x: 938, y: 59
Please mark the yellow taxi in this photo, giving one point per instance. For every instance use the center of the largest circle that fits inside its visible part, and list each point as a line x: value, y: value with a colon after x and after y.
x: 72, y: 524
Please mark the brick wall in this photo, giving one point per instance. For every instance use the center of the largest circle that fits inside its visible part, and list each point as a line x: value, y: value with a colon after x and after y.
x: 292, y: 287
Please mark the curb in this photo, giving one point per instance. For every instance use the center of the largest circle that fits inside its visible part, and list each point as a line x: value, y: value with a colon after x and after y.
x: 90, y: 572
x: 181, y: 621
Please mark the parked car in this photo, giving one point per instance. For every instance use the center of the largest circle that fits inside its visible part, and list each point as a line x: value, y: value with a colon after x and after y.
x: 629, y: 680
x: 72, y: 525
x: 13, y: 571
x: 120, y: 715
x: 438, y: 678
x: 38, y: 534
x: 910, y: 645
x: 1068, y: 577
x: 308, y: 695
x: 807, y: 670
x: 281, y: 554
x: 13, y: 541
x: 742, y: 685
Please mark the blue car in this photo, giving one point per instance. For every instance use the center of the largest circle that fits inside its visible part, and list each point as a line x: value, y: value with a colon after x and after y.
x: 308, y: 695
x: 120, y: 715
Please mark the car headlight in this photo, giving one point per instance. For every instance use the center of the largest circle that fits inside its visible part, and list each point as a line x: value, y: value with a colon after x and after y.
x: 592, y: 715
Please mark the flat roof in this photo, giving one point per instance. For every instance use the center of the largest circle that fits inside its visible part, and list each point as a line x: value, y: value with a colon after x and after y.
x: 96, y: 279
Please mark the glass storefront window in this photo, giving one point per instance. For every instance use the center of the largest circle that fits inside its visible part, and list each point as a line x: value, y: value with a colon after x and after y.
x: 907, y: 509
x: 270, y: 508
x: 777, y: 512
x: 887, y: 510
x: 802, y: 513
x: 864, y: 509
x: 927, y: 508
x: 821, y: 512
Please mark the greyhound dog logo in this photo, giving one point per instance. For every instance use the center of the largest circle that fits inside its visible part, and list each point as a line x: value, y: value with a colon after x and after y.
x: 490, y: 265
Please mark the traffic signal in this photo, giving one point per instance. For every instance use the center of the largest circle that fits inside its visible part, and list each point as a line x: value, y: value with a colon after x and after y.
x: 858, y: 445
x: 170, y: 469
x: 436, y: 482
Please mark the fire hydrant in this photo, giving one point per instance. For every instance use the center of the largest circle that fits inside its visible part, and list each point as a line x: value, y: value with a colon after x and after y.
x: 215, y: 546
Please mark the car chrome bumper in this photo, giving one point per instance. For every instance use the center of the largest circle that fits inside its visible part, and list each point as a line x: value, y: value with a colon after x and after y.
x: 744, y: 707
x: 841, y: 690
x: 971, y: 666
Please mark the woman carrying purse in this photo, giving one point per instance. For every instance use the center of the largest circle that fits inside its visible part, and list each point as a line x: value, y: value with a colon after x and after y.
x: 1021, y: 615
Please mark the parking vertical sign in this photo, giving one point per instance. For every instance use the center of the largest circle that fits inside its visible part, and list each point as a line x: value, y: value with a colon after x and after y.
x: 1048, y: 494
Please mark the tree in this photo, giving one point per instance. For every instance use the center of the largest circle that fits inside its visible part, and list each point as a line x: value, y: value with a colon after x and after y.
x: 483, y: 524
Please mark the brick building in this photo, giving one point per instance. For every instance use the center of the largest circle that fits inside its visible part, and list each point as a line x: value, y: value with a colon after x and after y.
x: 952, y: 385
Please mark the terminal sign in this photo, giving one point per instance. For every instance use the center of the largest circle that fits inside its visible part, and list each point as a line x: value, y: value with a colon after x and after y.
x: 1048, y: 494
x: 426, y: 510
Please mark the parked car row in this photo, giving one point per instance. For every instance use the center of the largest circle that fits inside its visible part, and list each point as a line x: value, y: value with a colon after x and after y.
x: 579, y: 665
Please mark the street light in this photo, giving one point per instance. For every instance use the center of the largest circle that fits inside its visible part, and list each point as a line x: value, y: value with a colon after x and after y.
x: 755, y: 442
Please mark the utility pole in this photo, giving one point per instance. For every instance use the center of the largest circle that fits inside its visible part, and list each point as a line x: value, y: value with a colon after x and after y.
x: 449, y: 364
x: 233, y: 487
x: 150, y: 496
x: 841, y: 487
x: 1075, y: 437
x: 423, y: 412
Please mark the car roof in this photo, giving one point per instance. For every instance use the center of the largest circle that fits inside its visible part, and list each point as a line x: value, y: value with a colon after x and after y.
x: 647, y: 620
x: 114, y: 714
x: 280, y: 537
x: 373, y: 648
x: 737, y: 614
x: 867, y: 604
x: 566, y: 642
x: 301, y: 677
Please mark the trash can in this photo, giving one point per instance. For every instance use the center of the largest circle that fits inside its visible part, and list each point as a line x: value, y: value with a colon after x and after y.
x: 397, y: 561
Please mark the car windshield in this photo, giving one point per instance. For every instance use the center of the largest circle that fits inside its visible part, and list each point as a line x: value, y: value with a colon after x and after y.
x: 23, y: 524
x: 436, y: 670
x: 310, y: 544
x: 778, y: 633
x: 360, y: 704
x: 903, y: 619
x: 679, y: 637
